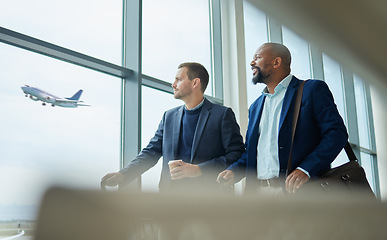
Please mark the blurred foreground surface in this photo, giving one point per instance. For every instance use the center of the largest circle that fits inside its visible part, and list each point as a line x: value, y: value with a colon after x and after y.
x: 75, y: 214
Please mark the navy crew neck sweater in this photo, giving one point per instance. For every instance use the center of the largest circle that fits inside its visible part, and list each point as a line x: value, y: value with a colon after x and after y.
x: 187, y: 130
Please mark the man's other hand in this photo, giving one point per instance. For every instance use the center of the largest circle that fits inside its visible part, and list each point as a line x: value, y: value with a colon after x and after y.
x: 226, y: 178
x: 295, y: 180
x: 112, y: 179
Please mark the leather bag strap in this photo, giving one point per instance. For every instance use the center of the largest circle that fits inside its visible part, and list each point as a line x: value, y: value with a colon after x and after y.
x: 297, y: 105
x: 351, y: 155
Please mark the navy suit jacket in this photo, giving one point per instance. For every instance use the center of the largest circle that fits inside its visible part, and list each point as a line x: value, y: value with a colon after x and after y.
x: 217, y: 143
x: 320, y: 132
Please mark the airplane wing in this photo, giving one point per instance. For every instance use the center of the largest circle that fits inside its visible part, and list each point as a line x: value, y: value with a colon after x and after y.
x: 67, y: 101
x: 61, y: 100
x: 80, y: 104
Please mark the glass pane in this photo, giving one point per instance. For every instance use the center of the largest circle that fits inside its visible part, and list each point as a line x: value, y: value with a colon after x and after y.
x: 173, y: 32
x: 41, y: 146
x: 299, y: 49
x: 366, y: 163
x: 333, y: 77
x: 255, y: 36
x: 92, y: 27
x: 152, y: 112
x: 361, y: 110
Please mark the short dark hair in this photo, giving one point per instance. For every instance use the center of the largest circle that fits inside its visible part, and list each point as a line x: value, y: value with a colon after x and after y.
x: 196, y: 70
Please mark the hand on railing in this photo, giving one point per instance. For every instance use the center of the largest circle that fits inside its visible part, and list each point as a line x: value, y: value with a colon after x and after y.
x: 112, y: 180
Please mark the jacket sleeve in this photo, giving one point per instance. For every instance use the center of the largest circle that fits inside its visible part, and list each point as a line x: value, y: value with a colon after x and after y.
x: 331, y: 127
x: 239, y: 167
x: 148, y: 157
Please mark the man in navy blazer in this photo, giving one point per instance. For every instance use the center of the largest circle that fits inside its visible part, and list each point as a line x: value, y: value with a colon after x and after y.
x: 320, y: 133
x: 203, y: 136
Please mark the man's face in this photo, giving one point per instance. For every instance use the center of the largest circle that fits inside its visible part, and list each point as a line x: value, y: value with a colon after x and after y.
x: 261, y: 65
x: 182, y: 86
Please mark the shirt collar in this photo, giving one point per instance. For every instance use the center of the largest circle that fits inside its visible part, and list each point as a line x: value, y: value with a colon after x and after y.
x: 282, y: 85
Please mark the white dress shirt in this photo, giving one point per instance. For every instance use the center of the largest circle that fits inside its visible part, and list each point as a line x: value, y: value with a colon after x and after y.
x: 267, y: 149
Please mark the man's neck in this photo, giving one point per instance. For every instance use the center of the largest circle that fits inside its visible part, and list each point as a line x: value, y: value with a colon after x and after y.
x: 271, y: 86
x: 192, y: 103
x: 273, y: 82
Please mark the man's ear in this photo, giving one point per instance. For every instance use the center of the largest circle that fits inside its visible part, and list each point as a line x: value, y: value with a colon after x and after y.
x: 196, y: 83
x: 277, y: 62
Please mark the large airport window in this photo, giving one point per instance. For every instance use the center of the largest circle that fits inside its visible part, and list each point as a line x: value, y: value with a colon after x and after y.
x: 154, y: 104
x: 333, y: 77
x: 299, y: 49
x: 367, y: 164
x: 92, y: 27
x: 42, y: 146
x: 255, y: 35
x: 361, y: 110
x: 173, y: 32
x: 368, y: 160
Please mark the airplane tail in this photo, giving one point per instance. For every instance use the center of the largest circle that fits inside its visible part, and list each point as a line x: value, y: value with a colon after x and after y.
x: 76, y: 96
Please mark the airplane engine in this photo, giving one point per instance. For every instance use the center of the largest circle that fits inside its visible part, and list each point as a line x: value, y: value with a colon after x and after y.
x: 50, y: 100
x: 34, y: 98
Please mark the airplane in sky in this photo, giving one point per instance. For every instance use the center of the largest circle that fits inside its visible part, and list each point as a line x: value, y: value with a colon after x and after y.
x: 37, y: 94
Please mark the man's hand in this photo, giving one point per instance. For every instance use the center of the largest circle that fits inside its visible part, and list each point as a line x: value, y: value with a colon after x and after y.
x: 295, y: 180
x: 185, y: 170
x: 226, y: 178
x: 112, y: 179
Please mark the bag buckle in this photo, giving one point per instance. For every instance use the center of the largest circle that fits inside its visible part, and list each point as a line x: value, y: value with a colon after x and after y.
x: 345, y: 177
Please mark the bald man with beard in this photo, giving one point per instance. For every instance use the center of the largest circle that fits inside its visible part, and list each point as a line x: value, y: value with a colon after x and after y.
x: 320, y: 133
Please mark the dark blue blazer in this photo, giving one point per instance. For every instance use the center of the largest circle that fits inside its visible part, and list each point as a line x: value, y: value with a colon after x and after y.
x: 217, y: 143
x: 320, y: 132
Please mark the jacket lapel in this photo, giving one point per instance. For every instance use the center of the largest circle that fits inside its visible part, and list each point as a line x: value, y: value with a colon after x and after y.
x: 288, y: 99
x: 256, y: 118
x: 203, y: 117
x: 176, y: 131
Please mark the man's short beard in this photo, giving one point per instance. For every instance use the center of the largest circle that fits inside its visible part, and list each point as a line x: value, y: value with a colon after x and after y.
x: 260, y: 77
